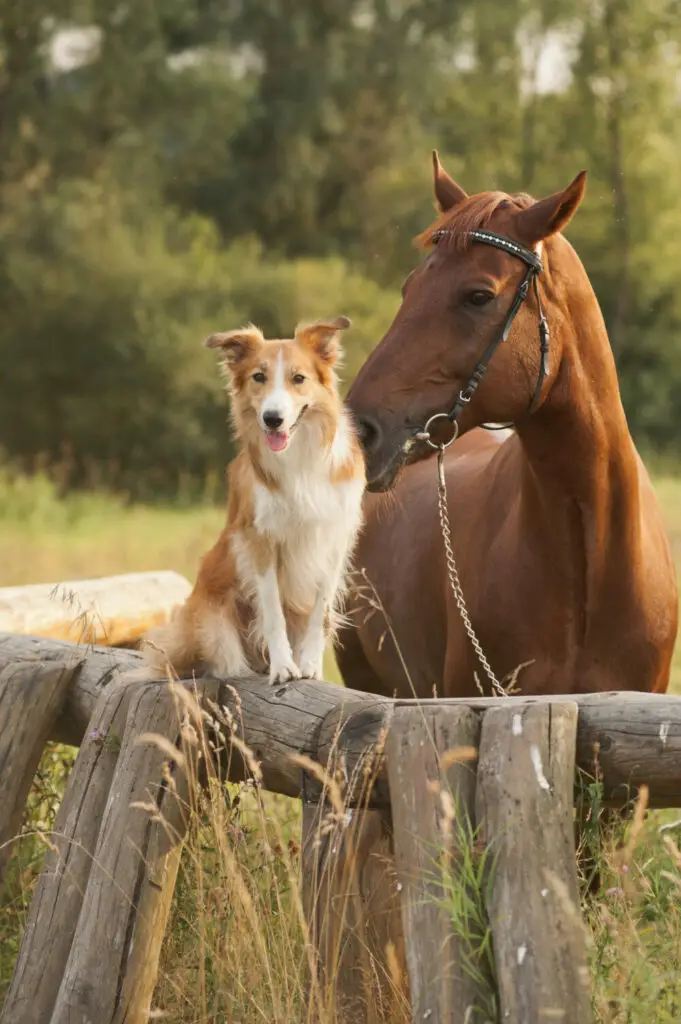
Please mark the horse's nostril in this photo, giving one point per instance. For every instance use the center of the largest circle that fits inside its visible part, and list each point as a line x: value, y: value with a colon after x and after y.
x: 369, y: 433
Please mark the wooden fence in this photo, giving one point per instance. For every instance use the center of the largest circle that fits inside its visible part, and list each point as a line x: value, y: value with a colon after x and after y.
x: 414, y: 772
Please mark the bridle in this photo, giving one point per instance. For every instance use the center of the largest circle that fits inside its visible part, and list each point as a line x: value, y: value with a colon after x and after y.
x: 534, y: 268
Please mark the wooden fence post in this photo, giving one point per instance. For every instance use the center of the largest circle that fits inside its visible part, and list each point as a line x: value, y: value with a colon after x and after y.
x: 111, y: 971
x: 31, y: 698
x: 57, y: 901
x: 124, y: 819
x: 94, y: 931
x: 432, y: 754
x: 351, y: 904
x: 526, y: 774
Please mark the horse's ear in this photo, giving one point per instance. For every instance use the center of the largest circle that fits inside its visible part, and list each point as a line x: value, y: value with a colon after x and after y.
x: 323, y: 337
x: 447, y: 192
x: 550, y: 215
x: 235, y: 345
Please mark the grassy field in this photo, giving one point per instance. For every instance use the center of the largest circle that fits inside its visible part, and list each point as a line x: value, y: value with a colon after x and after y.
x: 235, y: 950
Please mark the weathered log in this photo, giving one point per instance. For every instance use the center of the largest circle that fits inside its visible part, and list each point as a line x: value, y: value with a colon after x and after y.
x: 56, y: 904
x: 432, y: 757
x: 30, y: 700
x: 524, y: 804
x: 351, y: 903
x: 109, y: 610
x: 94, y: 669
x: 111, y: 970
x: 277, y: 723
x: 627, y: 738
x: 637, y: 736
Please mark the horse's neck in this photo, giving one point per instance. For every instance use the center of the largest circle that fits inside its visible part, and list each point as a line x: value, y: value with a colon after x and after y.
x: 581, y: 468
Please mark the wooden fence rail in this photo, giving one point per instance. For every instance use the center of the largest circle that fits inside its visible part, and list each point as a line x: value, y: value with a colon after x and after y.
x: 634, y: 737
x: 420, y: 771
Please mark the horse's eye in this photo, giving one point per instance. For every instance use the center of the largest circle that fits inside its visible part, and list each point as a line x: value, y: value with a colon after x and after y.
x: 259, y: 377
x: 298, y: 378
x: 479, y: 298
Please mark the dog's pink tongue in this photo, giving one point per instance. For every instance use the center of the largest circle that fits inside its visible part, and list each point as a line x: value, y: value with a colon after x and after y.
x: 277, y: 439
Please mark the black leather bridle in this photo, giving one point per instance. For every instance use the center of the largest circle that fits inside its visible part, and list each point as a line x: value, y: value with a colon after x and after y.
x: 534, y: 268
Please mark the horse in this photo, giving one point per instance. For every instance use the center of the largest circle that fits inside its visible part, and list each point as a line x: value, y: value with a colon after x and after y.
x: 559, y: 577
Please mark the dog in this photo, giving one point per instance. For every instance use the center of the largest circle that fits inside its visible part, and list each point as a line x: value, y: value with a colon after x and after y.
x: 267, y: 594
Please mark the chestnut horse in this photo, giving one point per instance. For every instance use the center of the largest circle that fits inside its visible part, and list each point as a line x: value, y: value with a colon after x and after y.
x: 562, y: 555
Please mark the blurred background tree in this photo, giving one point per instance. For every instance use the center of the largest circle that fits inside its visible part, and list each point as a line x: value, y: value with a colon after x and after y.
x: 168, y: 169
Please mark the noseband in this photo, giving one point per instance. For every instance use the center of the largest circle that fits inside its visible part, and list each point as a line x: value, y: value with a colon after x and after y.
x: 534, y: 268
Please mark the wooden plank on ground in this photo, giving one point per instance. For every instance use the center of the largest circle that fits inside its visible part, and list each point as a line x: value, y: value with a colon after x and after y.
x: 108, y: 610
x: 432, y: 757
x: 31, y: 698
x: 525, y: 813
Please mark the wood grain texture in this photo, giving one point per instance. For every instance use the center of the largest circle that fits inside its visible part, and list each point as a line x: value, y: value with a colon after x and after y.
x: 321, y: 721
x: 31, y: 698
x: 108, y: 610
x: 637, y: 736
x: 57, y: 900
x: 351, y: 904
x: 628, y: 738
x: 95, y: 668
x: 432, y: 759
x: 111, y: 969
x: 524, y: 807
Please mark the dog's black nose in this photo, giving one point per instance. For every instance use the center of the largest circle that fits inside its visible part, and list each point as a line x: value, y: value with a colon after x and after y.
x: 369, y: 433
x: 272, y: 420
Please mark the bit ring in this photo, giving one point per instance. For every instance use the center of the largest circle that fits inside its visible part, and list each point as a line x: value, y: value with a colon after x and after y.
x: 424, y: 435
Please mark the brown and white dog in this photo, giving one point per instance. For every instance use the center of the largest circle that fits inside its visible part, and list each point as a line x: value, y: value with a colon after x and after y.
x: 267, y: 590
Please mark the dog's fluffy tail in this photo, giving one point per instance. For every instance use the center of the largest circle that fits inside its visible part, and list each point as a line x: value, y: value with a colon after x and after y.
x: 198, y: 637
x: 167, y: 651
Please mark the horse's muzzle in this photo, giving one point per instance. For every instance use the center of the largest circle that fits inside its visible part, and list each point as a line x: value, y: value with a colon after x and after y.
x: 370, y: 434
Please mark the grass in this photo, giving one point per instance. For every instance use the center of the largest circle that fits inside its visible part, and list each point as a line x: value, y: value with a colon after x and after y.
x: 236, y: 946
x: 45, y: 540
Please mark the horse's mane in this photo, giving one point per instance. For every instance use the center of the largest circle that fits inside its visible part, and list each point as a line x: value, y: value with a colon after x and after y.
x: 472, y: 214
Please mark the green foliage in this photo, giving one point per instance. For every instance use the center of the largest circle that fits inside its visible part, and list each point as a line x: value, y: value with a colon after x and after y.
x: 201, y: 164
x: 101, y: 347
x: 634, y: 923
x: 34, y: 503
x: 109, y: 299
x: 464, y: 881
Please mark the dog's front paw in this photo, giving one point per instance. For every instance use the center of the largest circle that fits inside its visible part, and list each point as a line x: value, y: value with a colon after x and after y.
x: 311, y: 668
x: 282, y: 671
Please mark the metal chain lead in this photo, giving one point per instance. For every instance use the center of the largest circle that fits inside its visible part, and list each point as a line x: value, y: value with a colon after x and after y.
x: 453, y: 574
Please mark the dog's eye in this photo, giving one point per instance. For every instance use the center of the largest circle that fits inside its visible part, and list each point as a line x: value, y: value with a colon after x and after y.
x: 298, y: 378
x: 259, y: 377
x: 479, y: 298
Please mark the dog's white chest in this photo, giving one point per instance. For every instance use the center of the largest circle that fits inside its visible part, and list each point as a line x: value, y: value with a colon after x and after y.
x: 314, y: 528
x: 305, y: 503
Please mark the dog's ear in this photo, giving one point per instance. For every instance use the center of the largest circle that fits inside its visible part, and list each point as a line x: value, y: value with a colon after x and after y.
x: 323, y: 337
x: 235, y: 345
